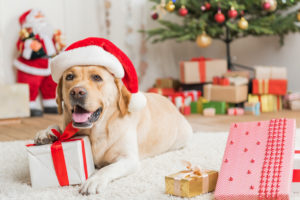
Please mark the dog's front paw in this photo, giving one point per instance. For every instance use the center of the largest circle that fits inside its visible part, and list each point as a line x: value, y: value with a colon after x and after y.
x: 45, y: 136
x: 94, y: 185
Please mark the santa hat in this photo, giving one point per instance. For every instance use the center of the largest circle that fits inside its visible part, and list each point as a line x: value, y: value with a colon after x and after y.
x: 27, y: 18
x: 99, y: 51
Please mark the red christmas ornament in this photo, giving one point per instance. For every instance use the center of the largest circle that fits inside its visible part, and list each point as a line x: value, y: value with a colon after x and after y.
x: 154, y: 16
x: 207, y: 6
x: 183, y: 11
x: 266, y: 6
x: 219, y: 17
x: 232, y: 13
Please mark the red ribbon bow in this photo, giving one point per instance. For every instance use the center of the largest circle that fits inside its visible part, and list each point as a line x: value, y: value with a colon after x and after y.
x: 57, y: 153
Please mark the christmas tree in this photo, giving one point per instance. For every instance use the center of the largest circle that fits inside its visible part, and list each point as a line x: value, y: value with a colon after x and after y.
x: 226, y: 20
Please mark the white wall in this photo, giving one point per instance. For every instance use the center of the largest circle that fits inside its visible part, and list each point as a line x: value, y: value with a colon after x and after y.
x: 82, y: 18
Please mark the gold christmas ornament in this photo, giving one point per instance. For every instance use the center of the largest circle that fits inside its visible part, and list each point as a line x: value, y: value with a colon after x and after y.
x: 170, y: 6
x: 298, y: 15
x: 243, y: 23
x: 273, y: 4
x: 203, y: 40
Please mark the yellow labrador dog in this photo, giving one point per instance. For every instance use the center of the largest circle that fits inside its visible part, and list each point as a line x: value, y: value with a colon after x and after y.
x: 97, y: 103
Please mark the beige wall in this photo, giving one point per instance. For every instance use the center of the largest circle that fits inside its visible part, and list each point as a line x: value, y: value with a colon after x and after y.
x: 82, y: 18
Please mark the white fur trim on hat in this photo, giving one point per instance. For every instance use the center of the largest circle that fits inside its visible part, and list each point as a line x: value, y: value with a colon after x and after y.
x: 90, y: 55
x: 30, y: 18
x: 137, y: 102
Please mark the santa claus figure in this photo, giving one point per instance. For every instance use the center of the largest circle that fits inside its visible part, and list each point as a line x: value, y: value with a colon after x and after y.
x: 38, y: 42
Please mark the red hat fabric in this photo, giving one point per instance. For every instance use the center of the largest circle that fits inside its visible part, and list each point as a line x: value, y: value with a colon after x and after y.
x: 100, y: 51
x: 28, y: 17
x: 22, y: 18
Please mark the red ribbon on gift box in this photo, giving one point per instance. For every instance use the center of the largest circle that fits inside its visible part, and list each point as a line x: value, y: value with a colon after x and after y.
x: 57, y: 153
x: 201, y: 67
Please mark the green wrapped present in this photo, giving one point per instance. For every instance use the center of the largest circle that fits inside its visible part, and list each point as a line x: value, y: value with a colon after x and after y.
x: 220, y: 106
x: 194, y: 105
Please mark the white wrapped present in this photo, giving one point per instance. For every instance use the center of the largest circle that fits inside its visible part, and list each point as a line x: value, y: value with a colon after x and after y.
x: 68, y: 161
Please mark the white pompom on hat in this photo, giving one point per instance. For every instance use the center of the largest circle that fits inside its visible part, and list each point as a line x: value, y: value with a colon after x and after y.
x: 99, y: 51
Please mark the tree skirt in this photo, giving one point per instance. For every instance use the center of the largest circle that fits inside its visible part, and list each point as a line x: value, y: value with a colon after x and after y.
x: 205, y: 150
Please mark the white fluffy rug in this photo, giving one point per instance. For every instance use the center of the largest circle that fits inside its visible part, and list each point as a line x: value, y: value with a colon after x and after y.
x: 205, y: 150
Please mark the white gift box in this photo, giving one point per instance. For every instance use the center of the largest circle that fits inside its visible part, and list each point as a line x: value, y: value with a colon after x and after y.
x: 42, y: 171
x: 296, y: 172
x: 269, y: 72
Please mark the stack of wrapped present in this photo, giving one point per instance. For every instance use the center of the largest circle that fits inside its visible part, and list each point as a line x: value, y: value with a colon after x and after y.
x: 226, y: 92
x: 231, y: 92
x: 268, y: 88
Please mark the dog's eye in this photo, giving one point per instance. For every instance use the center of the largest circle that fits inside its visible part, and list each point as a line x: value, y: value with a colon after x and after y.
x: 96, y: 77
x: 69, y: 77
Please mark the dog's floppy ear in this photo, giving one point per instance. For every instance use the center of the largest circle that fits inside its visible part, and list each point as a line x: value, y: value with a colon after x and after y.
x: 124, y: 97
x: 59, y: 98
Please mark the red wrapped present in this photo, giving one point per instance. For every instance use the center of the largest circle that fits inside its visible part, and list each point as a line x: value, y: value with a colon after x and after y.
x: 258, y: 161
x: 220, y: 81
x: 177, y: 99
x: 272, y: 86
x: 180, y: 99
x: 201, y: 70
x: 162, y: 91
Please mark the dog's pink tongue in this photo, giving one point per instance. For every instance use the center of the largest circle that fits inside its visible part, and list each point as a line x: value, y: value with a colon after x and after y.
x: 81, y: 117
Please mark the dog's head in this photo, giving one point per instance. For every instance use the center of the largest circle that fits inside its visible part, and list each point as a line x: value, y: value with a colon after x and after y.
x: 88, y: 91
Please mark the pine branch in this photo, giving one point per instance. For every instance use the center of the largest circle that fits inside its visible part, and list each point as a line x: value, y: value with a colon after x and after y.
x: 197, y: 21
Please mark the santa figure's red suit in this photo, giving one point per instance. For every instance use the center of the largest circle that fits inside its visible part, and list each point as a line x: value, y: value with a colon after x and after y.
x: 37, y: 43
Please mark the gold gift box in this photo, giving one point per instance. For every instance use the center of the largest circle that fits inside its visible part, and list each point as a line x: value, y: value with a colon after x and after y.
x: 167, y: 83
x: 268, y: 102
x: 189, y: 183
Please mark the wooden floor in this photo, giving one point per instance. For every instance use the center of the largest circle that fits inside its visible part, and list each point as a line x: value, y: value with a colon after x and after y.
x: 27, y: 128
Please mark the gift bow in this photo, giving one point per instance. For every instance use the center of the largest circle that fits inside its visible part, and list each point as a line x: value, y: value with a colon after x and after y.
x: 196, y: 170
x: 69, y: 132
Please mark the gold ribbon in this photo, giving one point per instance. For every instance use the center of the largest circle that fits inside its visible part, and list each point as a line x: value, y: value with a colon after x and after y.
x: 263, y: 86
x: 191, y: 172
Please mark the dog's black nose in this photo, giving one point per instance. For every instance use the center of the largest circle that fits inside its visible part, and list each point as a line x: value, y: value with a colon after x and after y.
x: 78, y: 93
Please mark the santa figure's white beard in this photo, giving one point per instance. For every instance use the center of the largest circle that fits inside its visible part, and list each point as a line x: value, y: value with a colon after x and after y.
x: 41, y: 27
